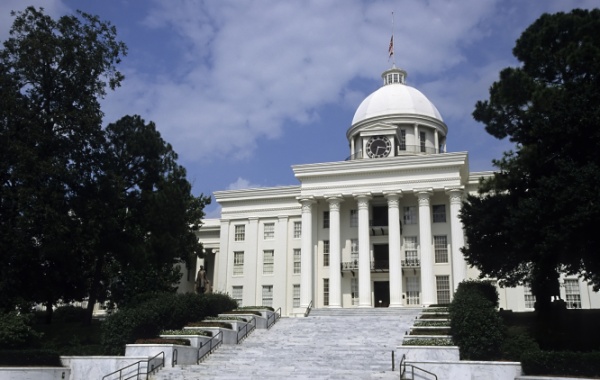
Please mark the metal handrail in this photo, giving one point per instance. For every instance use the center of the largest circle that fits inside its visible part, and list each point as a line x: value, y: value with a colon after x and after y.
x: 212, y: 345
x: 403, y: 365
x: 137, y: 371
x: 380, y: 264
x: 308, y: 308
x: 275, y: 316
x: 174, y: 357
x: 245, y: 331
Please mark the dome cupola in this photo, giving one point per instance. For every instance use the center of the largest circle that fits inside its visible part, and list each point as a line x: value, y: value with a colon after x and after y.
x: 396, y: 119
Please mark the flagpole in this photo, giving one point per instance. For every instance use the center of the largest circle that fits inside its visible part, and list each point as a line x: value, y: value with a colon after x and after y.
x: 393, y: 55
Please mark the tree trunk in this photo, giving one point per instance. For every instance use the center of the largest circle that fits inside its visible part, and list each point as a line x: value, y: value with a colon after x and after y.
x: 49, y: 312
x: 94, y: 290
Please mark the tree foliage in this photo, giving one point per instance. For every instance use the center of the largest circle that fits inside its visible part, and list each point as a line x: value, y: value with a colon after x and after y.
x: 535, y: 217
x: 84, y: 211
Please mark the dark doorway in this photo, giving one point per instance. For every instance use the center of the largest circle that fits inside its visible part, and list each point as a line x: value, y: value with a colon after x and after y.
x: 382, y: 293
x: 381, y: 256
x: 380, y: 216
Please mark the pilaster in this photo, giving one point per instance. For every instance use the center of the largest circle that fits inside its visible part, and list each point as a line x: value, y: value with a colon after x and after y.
x: 427, y: 278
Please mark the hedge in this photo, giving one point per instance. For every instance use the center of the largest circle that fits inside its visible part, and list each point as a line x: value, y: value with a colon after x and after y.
x: 561, y: 363
x: 30, y: 358
x: 16, y: 331
x: 475, y: 325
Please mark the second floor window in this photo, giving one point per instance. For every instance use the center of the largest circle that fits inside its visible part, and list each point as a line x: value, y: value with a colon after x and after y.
x: 269, y: 232
x: 439, y: 213
x: 325, y: 253
x: 325, y: 219
x: 238, y: 263
x: 297, y: 230
x: 268, y: 261
x: 410, y: 215
x: 240, y: 232
x: 297, y: 262
x: 353, y: 218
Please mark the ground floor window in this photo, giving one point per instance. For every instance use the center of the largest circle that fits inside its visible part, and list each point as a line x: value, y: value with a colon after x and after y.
x: 573, y: 294
x: 529, y: 297
x: 237, y: 293
x: 354, y: 290
x: 325, y: 292
x: 267, y: 295
x: 296, y: 295
x: 412, y: 291
x: 443, y: 289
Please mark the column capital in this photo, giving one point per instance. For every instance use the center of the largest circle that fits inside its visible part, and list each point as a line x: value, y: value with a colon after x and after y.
x: 363, y: 200
x: 307, y: 203
x: 423, y: 195
x: 334, y: 200
x: 456, y: 194
x: 392, y: 194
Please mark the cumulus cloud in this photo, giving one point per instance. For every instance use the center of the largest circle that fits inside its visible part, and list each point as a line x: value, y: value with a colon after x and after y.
x: 241, y: 183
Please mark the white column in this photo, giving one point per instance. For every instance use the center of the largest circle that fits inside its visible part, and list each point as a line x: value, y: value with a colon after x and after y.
x: 335, y: 278
x: 252, y: 263
x: 459, y: 266
x: 306, y: 255
x: 416, y: 147
x: 222, y: 260
x: 394, y: 249
x: 427, y: 278
x: 436, y: 141
x: 280, y: 280
x: 364, y: 254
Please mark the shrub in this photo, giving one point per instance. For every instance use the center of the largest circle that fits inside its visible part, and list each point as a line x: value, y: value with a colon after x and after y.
x: 158, y: 312
x: 428, y: 342
x: 211, y: 324
x: 516, y: 345
x: 426, y: 323
x: 561, y: 363
x: 16, y: 331
x: 243, y: 312
x: 187, y: 332
x: 30, y: 358
x: 181, y: 342
x: 475, y: 325
x: 69, y: 314
x: 256, y: 308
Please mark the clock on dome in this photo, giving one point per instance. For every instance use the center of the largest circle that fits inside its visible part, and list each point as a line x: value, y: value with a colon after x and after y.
x: 379, y: 147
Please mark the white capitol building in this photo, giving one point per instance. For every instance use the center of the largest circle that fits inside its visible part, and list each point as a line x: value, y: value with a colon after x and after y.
x: 380, y: 229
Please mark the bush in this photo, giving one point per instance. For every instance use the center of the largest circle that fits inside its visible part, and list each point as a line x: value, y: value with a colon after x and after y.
x: 160, y: 311
x: 181, y: 342
x: 16, y: 331
x: 30, y: 358
x: 475, y: 325
x: 561, y: 363
x: 517, y: 345
x: 69, y: 314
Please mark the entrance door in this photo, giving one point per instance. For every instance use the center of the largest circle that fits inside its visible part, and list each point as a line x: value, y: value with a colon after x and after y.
x: 381, y: 257
x: 412, y: 291
x: 382, y: 293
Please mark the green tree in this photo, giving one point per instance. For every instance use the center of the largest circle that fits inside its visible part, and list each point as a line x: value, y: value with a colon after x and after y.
x: 52, y: 72
x: 535, y: 217
x: 142, y: 218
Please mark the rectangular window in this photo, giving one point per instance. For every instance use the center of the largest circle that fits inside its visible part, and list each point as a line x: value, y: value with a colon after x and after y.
x: 325, y: 253
x: 296, y: 295
x: 237, y: 293
x: 412, y: 291
x: 297, y: 256
x: 325, y: 219
x: 529, y: 297
x: 269, y: 232
x: 268, y: 261
x: 354, y: 250
x: 267, y: 295
x: 440, y: 245
x: 439, y: 213
x: 325, y: 292
x: 422, y: 141
x: 297, y: 230
x: 410, y: 215
x: 354, y: 290
x: 410, y: 251
x: 240, y: 232
x: 238, y: 263
x: 443, y: 289
x: 402, y: 142
x: 573, y: 294
x: 353, y: 218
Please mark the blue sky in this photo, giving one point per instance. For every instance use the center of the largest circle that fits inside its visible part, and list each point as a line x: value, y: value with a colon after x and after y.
x: 243, y: 89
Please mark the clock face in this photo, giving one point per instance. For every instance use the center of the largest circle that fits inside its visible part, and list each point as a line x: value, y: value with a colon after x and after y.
x: 379, y: 146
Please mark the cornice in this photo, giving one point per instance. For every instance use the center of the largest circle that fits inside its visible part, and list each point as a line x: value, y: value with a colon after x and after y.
x: 381, y: 165
x: 269, y: 193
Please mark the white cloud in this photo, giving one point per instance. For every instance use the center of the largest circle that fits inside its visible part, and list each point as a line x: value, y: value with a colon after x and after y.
x: 241, y: 183
x: 250, y: 68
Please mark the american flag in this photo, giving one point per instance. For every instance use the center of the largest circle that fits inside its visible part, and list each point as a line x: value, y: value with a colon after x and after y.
x: 391, y: 48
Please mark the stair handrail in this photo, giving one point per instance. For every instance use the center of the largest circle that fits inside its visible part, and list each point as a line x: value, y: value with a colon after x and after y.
x: 212, y: 345
x: 245, y: 331
x: 271, y: 319
x: 403, y: 365
x: 139, y: 368
x: 308, y: 308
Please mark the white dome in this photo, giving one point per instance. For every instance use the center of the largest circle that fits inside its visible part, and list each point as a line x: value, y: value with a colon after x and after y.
x: 394, y: 99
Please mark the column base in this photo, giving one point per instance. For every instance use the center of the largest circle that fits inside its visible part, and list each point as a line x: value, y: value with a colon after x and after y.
x: 396, y: 305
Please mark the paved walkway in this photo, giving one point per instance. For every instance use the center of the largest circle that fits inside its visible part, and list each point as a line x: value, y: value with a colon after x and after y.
x: 329, y: 344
